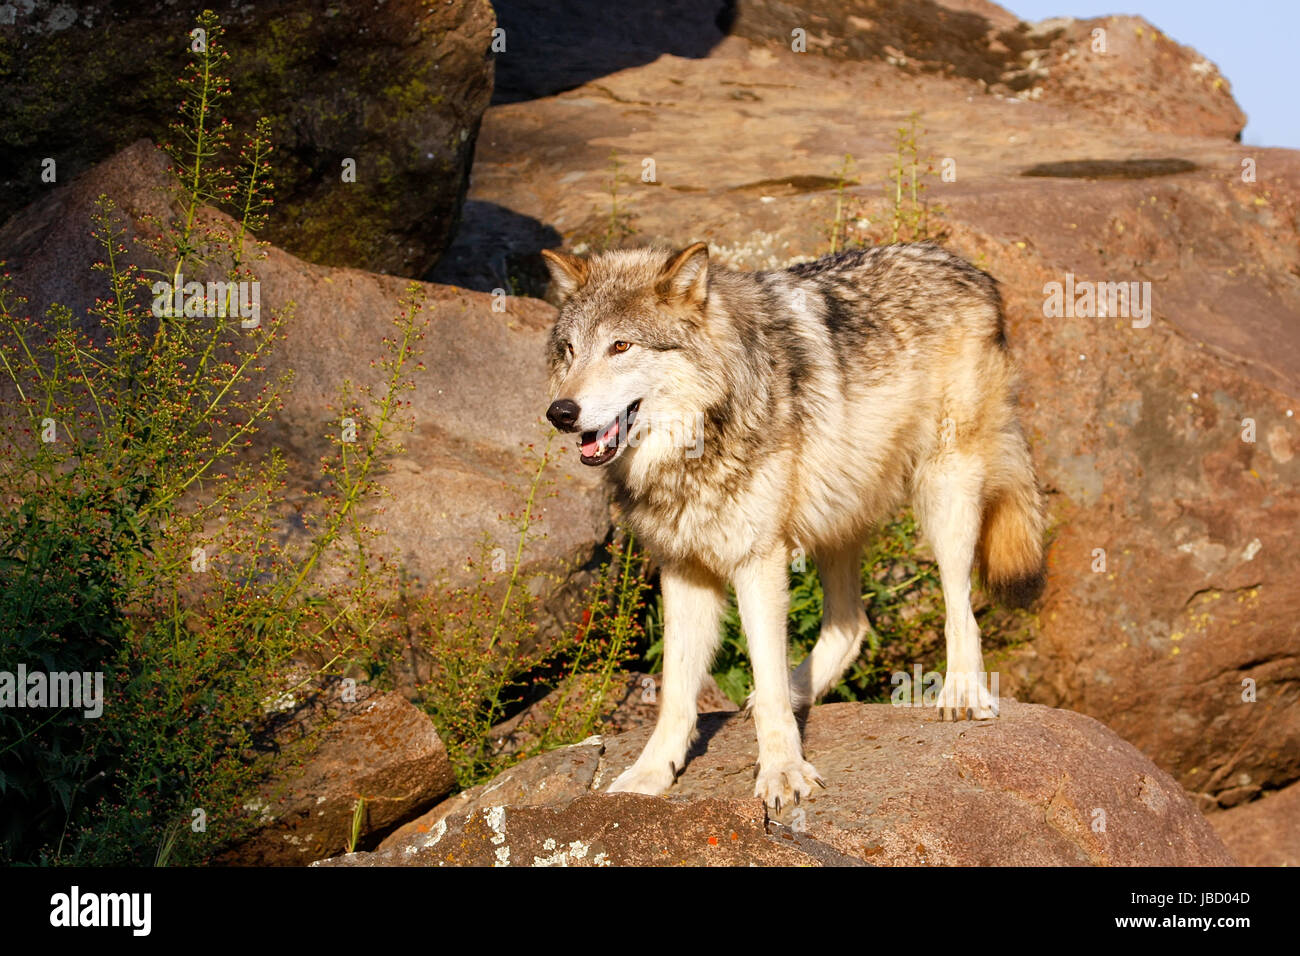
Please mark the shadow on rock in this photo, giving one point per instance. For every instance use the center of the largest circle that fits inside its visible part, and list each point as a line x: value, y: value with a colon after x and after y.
x: 554, y: 47
x: 497, y: 248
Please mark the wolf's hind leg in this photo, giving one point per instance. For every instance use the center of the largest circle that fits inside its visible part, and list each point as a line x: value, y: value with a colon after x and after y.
x: 947, y: 500
x: 844, y: 624
x: 692, y: 617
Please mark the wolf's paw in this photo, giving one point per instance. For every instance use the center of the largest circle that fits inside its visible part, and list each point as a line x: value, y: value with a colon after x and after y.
x: 785, y: 784
x: 965, y: 695
x: 648, y: 780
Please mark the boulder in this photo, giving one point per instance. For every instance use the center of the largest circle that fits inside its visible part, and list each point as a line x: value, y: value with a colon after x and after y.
x: 380, y: 749
x: 399, y: 87
x: 620, y: 830
x: 1264, y: 832
x: 1118, y: 66
x: 1035, y: 787
x: 1170, y: 611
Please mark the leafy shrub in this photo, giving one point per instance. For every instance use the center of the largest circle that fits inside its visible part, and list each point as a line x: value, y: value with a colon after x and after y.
x: 142, y: 540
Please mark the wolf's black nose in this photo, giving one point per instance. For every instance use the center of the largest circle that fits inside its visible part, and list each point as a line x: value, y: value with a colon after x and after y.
x: 563, y: 413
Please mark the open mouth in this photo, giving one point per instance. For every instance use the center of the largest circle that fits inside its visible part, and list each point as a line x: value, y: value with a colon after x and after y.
x: 600, y: 447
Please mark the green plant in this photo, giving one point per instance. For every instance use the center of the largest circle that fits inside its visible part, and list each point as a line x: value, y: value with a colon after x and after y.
x: 909, y: 215
x: 618, y: 221
x: 485, y: 652
x: 912, y: 217
x: 142, y: 535
x: 480, y: 639
x: 610, y: 633
x: 358, y: 818
x: 838, y: 226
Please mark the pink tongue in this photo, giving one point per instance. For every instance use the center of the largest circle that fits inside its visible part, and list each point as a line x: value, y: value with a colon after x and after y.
x: 589, y: 447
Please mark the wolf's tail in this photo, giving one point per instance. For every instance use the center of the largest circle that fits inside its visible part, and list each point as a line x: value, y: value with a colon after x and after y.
x: 1010, y: 549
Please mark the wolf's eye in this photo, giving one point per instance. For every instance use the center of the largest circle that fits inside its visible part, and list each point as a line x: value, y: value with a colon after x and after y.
x: 569, y: 347
x: 619, y: 347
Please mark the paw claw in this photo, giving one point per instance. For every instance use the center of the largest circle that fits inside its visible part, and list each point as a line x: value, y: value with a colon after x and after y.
x: 965, y: 696
x: 785, y: 784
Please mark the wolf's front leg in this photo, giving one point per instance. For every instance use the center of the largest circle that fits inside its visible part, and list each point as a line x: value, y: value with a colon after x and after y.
x: 693, y: 604
x: 783, y: 777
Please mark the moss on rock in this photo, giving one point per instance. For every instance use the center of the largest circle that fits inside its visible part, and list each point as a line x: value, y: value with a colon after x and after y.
x: 400, y: 88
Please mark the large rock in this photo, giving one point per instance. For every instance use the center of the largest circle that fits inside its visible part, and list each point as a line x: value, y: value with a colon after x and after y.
x: 1138, y: 434
x: 1264, y: 832
x: 1035, y: 787
x: 1121, y: 67
x: 477, y: 405
x: 1143, y: 78
x: 1171, y: 609
x: 399, y: 87
x: 621, y: 830
x: 382, y: 750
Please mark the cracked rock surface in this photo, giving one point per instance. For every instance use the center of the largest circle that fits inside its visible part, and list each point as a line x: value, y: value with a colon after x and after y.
x: 1037, y: 786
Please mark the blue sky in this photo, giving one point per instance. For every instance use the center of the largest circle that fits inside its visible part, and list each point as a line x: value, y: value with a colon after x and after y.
x: 1251, y: 41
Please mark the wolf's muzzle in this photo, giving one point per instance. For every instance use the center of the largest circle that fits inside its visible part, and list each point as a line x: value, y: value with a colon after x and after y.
x: 563, y: 414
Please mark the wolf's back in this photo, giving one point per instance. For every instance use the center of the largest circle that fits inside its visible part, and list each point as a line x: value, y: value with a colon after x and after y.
x: 916, y: 300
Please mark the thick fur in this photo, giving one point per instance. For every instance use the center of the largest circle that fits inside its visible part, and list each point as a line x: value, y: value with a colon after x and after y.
x: 789, y: 412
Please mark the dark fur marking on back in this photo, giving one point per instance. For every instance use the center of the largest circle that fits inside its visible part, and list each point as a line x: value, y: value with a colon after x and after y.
x: 839, y: 260
x: 839, y: 317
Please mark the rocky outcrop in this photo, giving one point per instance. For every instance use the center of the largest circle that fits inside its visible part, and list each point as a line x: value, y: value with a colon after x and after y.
x: 1117, y: 66
x: 1165, y: 439
x: 380, y: 750
x: 398, y: 87
x: 1264, y: 832
x: 1168, y: 450
x: 599, y: 830
x: 1035, y: 787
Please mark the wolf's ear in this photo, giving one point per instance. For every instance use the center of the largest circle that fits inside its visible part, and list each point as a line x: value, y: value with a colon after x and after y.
x: 567, y: 272
x: 687, y: 275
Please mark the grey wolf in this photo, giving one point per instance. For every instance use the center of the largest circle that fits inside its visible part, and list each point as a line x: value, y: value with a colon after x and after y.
x: 818, y: 399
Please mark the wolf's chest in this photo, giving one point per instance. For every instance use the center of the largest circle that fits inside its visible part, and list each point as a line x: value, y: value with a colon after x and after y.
x: 717, y: 524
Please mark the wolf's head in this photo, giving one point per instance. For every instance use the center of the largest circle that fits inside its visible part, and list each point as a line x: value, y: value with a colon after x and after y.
x: 624, y: 372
